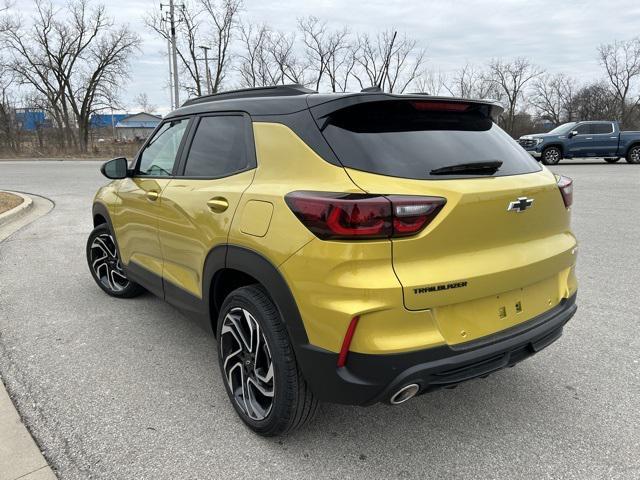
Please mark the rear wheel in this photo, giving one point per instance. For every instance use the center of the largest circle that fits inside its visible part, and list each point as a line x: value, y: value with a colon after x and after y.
x: 105, y: 266
x: 258, y: 365
x: 612, y: 159
x: 551, y: 155
x: 633, y: 156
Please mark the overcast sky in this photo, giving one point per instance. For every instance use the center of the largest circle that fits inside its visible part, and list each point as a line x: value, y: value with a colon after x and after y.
x: 556, y: 35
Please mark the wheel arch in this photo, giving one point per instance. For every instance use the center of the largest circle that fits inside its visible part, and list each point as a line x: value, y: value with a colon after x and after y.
x: 631, y: 145
x: 230, y: 266
x: 101, y: 215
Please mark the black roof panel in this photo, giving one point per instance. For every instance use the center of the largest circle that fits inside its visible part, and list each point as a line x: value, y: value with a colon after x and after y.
x: 287, y: 99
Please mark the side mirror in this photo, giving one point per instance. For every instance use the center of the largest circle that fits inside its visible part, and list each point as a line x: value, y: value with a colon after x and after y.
x: 115, y: 169
x: 573, y: 133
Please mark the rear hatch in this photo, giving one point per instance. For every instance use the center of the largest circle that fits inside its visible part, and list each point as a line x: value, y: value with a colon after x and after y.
x: 479, y: 266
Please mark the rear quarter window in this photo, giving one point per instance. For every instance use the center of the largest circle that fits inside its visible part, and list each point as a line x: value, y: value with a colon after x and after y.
x: 218, y: 148
x: 408, y: 139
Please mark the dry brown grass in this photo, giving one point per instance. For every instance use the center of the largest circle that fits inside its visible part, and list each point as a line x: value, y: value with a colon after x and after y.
x: 8, y: 201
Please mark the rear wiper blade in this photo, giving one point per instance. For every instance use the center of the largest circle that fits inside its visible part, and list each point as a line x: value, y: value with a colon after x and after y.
x: 474, y: 168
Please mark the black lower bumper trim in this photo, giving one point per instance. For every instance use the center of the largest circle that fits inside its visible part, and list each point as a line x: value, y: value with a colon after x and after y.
x: 368, y: 379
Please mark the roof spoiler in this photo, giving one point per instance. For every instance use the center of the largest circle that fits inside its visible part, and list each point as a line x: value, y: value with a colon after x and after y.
x: 321, y: 110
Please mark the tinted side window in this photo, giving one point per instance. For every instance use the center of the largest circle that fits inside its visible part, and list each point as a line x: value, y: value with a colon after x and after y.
x: 159, y: 155
x: 600, y: 128
x: 583, y: 129
x: 218, y: 148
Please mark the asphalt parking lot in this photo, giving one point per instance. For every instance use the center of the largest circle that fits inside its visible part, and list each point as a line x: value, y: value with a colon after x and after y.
x: 123, y: 389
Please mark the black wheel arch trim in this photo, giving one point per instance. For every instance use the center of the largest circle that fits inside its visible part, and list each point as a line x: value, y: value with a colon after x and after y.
x: 254, y: 264
x: 102, y: 210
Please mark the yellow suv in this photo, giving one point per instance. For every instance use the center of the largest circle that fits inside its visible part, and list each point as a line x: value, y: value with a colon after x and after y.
x: 351, y: 248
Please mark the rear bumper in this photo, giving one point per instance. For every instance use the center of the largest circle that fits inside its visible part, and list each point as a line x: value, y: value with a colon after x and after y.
x: 368, y: 379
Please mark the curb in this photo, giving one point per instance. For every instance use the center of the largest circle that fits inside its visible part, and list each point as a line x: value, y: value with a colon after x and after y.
x: 20, y: 456
x: 18, y: 211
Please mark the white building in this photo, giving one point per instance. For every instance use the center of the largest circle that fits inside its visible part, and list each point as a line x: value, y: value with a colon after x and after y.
x: 137, y: 126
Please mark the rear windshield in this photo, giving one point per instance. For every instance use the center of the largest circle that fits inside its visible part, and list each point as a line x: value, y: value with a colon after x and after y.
x: 409, y: 139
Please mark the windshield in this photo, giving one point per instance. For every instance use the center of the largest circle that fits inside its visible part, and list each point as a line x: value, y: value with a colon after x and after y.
x: 562, y: 129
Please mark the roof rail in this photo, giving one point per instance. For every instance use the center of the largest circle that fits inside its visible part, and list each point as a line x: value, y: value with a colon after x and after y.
x: 275, y: 91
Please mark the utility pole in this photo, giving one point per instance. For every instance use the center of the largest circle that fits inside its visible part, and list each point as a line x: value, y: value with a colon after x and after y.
x: 170, y: 71
x: 206, y: 66
x: 174, y: 55
x: 172, y: 49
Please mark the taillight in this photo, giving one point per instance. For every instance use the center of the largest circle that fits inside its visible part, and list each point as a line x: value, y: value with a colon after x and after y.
x: 353, y: 216
x: 565, y: 184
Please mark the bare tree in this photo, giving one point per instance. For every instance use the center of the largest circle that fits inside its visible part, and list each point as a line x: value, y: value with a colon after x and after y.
x: 8, y: 124
x: 388, y: 62
x: 188, y: 39
x: 206, y: 22
x: 254, y: 66
x: 269, y: 58
x: 431, y: 82
x: 224, y: 17
x: 142, y: 101
x: 552, y: 97
x: 595, y: 102
x: 509, y: 79
x: 621, y: 61
x: 290, y: 68
x: 341, y: 65
x: 328, y: 52
x: 75, y: 58
x: 471, y: 82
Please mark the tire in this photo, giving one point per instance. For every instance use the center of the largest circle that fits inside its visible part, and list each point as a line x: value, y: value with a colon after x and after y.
x: 104, y: 263
x: 612, y: 159
x: 633, y: 155
x: 277, y: 398
x: 551, y: 156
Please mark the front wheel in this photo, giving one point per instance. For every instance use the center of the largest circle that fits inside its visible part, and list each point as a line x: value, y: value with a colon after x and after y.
x: 612, y: 159
x: 633, y: 156
x: 551, y: 155
x: 105, y: 266
x: 258, y: 365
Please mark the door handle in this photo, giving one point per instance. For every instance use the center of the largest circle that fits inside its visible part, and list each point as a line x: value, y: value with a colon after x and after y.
x: 153, y: 195
x: 589, y: 138
x: 218, y: 204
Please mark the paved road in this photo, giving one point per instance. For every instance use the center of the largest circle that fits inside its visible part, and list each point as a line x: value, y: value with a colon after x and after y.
x: 130, y: 388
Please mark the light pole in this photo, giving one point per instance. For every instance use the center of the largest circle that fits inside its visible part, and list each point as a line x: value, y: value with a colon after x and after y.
x: 206, y: 66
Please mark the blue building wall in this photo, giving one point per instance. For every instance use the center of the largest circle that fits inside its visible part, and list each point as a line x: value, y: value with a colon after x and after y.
x: 30, y: 119
x: 101, y: 120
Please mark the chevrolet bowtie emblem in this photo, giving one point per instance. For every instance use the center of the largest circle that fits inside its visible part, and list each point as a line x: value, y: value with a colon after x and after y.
x: 520, y: 205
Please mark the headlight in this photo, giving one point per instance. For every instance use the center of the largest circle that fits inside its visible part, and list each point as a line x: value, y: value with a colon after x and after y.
x: 539, y: 141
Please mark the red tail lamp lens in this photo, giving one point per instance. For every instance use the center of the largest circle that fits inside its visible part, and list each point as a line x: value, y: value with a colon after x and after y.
x: 339, y: 215
x: 565, y: 184
x: 333, y: 216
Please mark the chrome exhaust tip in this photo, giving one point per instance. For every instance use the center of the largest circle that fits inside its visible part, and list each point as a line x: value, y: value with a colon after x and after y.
x: 405, y: 393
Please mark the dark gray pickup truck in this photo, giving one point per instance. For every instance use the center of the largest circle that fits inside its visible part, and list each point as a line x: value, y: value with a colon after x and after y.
x: 583, y: 139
